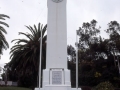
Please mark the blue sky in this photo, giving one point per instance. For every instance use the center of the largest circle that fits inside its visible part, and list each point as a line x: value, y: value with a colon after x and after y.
x: 30, y: 12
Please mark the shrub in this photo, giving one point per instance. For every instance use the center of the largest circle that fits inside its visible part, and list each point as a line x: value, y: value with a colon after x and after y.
x: 104, y: 86
x: 85, y: 88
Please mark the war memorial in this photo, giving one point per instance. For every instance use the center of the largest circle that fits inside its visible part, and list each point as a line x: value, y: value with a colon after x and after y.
x: 56, y: 76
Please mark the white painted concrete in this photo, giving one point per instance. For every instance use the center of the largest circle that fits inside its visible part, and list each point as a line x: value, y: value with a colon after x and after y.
x: 58, y: 88
x: 76, y: 89
x: 56, y: 49
x: 2, y: 82
x: 47, y: 77
x: 9, y: 83
x: 56, y: 35
x: 39, y: 89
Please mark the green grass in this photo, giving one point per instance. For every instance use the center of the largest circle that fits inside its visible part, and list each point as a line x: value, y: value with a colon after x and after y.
x: 13, y: 88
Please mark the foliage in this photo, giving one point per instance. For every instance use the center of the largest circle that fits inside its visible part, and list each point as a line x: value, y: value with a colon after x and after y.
x: 98, y: 57
x: 87, y: 34
x: 25, y: 55
x: 71, y: 53
x: 104, y: 86
x: 3, y: 42
x: 85, y: 88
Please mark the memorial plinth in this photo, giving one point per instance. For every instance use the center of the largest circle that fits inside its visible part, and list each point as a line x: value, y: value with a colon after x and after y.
x: 56, y: 76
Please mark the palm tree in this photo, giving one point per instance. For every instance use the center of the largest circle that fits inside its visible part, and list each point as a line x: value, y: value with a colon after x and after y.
x: 3, y: 42
x: 25, y: 53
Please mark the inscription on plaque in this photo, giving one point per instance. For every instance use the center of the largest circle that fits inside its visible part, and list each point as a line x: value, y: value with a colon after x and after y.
x: 56, y: 77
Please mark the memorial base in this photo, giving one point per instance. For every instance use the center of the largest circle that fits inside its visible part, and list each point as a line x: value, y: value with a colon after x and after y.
x: 56, y: 79
x: 62, y: 79
x: 57, y: 87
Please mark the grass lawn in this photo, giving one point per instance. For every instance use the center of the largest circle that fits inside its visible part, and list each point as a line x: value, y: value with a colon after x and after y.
x: 13, y: 88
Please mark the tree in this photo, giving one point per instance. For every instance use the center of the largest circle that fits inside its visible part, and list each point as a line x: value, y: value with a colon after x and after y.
x: 97, y: 56
x: 87, y: 36
x: 25, y: 54
x: 3, y: 41
x: 71, y: 53
x: 71, y: 63
x: 114, y: 39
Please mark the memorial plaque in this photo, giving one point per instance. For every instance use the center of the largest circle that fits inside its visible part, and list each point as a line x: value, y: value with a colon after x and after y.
x: 56, y: 77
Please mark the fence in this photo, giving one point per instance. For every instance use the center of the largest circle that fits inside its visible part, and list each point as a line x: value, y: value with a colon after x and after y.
x: 9, y: 83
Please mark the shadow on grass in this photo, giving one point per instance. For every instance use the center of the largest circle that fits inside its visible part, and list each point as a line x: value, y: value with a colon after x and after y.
x: 13, y: 88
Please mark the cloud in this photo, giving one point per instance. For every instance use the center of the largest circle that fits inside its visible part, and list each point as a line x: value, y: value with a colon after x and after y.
x: 29, y: 12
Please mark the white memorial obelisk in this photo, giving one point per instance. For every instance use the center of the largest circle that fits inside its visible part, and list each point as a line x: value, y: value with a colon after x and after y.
x: 56, y: 35
x: 56, y: 76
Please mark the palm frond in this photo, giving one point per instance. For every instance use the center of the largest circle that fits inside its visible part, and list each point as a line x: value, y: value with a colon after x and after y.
x: 3, y: 15
x: 32, y: 31
x: 3, y: 30
x: 28, y: 36
x: 4, y: 23
x: 25, y: 54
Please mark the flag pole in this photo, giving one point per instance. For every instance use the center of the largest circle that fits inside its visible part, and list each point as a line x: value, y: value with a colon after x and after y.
x: 76, y: 62
x: 40, y: 60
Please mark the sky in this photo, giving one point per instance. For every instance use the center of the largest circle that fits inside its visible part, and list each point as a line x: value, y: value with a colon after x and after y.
x: 30, y: 12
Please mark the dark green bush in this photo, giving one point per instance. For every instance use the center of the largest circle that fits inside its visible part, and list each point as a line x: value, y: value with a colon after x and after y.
x: 104, y: 86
